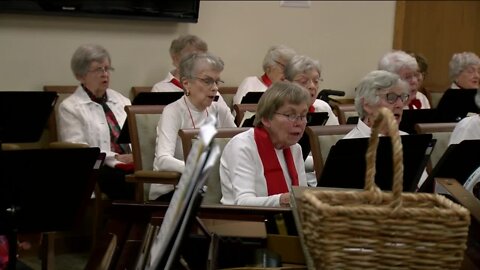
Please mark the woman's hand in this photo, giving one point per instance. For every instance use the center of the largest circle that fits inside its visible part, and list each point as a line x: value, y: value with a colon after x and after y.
x: 285, y: 200
x: 125, y: 158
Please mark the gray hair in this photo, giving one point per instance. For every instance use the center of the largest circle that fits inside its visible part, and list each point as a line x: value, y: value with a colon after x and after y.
x: 278, y: 94
x: 396, y: 60
x: 374, y: 83
x: 461, y: 61
x: 85, y: 55
x: 277, y: 53
x: 183, y: 41
x: 189, y: 64
x: 300, y: 64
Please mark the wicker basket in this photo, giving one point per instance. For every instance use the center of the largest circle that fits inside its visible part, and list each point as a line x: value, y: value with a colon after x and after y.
x: 371, y: 229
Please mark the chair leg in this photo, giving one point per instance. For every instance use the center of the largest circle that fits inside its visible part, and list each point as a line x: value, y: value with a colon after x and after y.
x: 47, y: 251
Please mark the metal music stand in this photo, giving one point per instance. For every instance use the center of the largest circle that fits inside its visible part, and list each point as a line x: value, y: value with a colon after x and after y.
x: 40, y: 189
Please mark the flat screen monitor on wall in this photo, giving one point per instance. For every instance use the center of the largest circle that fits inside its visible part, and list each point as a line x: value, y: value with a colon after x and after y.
x: 166, y: 10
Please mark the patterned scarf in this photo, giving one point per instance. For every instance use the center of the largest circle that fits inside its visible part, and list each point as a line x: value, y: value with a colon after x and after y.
x: 276, y: 183
x: 112, y: 123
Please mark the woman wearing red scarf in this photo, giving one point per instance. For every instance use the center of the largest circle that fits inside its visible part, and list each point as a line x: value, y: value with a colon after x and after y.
x: 259, y: 166
x: 405, y: 66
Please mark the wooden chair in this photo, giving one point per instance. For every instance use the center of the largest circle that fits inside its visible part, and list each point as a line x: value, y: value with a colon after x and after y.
x: 63, y: 92
x: 142, y: 125
x: 460, y: 195
x: 441, y: 132
x: 241, y: 112
x: 138, y: 89
x: 344, y: 111
x: 321, y: 139
x: 228, y: 92
x: 223, y: 136
x: 47, y: 253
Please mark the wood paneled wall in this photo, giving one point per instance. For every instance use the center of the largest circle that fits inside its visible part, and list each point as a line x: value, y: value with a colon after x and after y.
x: 437, y: 29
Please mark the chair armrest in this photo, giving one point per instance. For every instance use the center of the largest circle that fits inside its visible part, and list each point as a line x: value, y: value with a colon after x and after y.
x: 465, y: 198
x: 155, y: 177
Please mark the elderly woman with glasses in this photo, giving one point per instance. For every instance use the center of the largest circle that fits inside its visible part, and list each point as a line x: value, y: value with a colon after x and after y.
x: 464, y: 71
x: 259, y: 166
x: 307, y: 72
x: 405, y: 66
x: 200, y: 77
x: 377, y: 89
x: 274, y: 64
x: 94, y: 114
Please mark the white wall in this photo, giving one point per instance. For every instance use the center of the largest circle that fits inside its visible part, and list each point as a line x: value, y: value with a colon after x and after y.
x: 347, y: 37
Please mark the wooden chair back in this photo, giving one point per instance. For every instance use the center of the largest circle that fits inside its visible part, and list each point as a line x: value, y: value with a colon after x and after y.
x: 142, y: 127
x: 321, y: 139
x: 241, y: 112
x: 223, y: 136
x: 441, y: 132
x: 228, y: 92
x: 142, y: 124
x: 139, y: 89
x: 63, y: 92
x: 344, y: 111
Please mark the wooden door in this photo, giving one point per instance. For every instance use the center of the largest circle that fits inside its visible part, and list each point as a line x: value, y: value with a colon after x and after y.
x: 437, y: 29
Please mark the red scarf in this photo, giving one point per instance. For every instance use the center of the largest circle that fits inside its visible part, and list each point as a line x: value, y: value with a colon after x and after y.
x: 176, y: 83
x: 311, y: 109
x: 415, y: 104
x: 276, y: 183
x: 266, y: 80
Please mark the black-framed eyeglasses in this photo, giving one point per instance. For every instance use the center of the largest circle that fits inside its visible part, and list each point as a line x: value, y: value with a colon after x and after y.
x: 209, y: 81
x: 101, y: 70
x: 392, y: 97
x: 293, y: 117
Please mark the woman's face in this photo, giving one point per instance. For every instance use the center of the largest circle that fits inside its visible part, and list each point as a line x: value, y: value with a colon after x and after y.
x: 469, y: 78
x: 311, y: 81
x: 97, y: 78
x: 204, y: 87
x: 411, y: 76
x: 394, y: 99
x: 276, y: 72
x: 287, y: 124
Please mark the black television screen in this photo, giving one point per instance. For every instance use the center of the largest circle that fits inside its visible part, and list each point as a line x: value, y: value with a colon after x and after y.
x: 168, y: 10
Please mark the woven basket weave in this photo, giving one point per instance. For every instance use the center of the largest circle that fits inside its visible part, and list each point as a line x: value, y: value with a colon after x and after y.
x: 371, y: 229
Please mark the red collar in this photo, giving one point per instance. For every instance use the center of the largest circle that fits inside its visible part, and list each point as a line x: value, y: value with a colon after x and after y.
x: 176, y: 83
x: 266, y: 80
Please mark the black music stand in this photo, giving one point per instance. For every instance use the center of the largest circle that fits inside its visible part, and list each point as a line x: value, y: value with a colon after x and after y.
x: 251, y: 98
x: 459, y: 161
x: 412, y: 117
x: 346, y: 163
x: 23, y: 115
x: 32, y: 181
x: 455, y: 104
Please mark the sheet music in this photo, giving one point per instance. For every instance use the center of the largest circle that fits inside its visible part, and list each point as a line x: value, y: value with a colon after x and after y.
x: 194, y: 169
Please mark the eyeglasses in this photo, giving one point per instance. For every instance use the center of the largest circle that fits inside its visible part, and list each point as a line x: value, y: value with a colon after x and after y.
x: 294, y: 117
x: 101, y: 70
x: 392, y: 97
x: 209, y: 81
x: 306, y: 81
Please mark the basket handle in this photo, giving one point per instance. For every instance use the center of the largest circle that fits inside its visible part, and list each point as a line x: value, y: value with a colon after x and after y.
x: 385, y: 119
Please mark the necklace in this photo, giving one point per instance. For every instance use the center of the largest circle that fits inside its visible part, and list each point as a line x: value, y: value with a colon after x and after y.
x: 190, y: 113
